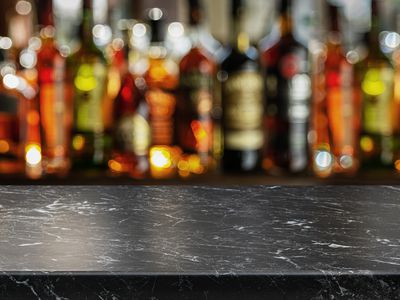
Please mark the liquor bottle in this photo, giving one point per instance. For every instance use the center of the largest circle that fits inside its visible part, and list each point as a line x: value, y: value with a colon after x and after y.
x: 194, y: 124
x: 288, y: 92
x: 335, y: 118
x: 199, y: 32
x: 131, y: 134
x: 396, y: 102
x: 87, y: 71
x: 20, y: 22
x: 242, y: 101
x: 376, y: 142
x: 161, y: 79
x: 30, y: 129
x: 55, y: 111
x: 11, y: 161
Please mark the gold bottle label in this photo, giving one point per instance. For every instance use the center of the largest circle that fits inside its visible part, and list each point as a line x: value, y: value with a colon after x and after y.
x: 198, y: 89
x: 90, y: 86
x: 195, y: 127
x: 53, y: 107
x: 243, y: 111
x: 162, y: 108
x: 377, y: 88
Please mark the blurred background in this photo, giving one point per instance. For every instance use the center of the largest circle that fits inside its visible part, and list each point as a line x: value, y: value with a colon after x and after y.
x: 260, y: 14
x: 127, y: 36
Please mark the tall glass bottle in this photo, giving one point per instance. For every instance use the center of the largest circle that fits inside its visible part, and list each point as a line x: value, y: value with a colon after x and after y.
x: 335, y: 120
x: 11, y: 161
x: 288, y: 92
x: 87, y: 69
x: 376, y: 142
x: 242, y: 101
x: 396, y: 102
x: 194, y: 124
x: 131, y: 133
x: 55, y: 111
x: 162, y: 80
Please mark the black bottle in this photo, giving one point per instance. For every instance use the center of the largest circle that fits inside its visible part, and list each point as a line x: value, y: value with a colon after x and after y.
x: 288, y: 93
x: 242, y: 101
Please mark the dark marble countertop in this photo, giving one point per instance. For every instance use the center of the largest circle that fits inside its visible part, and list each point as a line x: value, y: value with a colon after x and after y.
x: 330, y: 238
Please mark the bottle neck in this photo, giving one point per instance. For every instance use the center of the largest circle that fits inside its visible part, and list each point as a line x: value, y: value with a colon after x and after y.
x: 195, y: 21
x: 333, y: 18
x: 85, y: 30
x: 195, y: 33
x: 373, y: 35
x: 195, y: 13
x: 334, y: 35
x: 240, y: 38
x: 285, y: 19
x: 45, y: 12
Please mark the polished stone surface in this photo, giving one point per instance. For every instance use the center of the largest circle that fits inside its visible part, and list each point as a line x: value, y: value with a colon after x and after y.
x: 196, y: 242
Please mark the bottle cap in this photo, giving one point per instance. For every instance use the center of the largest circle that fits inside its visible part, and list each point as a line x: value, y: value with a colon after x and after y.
x: 156, y: 22
x: 195, y: 10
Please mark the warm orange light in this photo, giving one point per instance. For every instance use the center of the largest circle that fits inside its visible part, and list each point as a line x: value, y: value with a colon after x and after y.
x: 33, y: 118
x: 78, y: 142
x: 4, y: 146
x: 183, y: 165
x: 115, y: 166
x: 397, y: 165
x: 195, y: 164
x: 198, y: 131
x: 267, y: 164
x: 367, y: 145
x: 33, y: 154
x: 160, y: 157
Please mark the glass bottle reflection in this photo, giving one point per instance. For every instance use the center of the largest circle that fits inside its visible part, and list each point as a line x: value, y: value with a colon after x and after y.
x: 336, y: 105
x: 376, y: 73
x: 288, y: 92
x: 131, y: 133
x: 242, y: 103
x: 87, y: 68
x: 11, y: 161
x: 161, y: 80
x: 194, y: 124
x: 54, y: 109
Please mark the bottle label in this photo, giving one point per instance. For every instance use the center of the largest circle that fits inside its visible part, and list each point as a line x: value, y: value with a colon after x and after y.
x: 133, y: 135
x: 90, y: 87
x: 162, y: 108
x: 194, y: 112
x: 243, y: 111
x: 341, y: 102
x: 377, y: 88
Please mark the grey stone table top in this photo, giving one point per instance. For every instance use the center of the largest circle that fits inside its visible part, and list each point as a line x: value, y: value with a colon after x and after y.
x: 194, y: 230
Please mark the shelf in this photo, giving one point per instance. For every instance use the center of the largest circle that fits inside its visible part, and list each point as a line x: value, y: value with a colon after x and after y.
x: 376, y: 177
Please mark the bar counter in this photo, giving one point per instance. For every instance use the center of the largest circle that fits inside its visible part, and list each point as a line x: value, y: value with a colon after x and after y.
x: 199, y: 242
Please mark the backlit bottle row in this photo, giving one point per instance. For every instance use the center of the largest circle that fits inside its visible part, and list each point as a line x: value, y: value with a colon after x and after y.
x: 138, y: 110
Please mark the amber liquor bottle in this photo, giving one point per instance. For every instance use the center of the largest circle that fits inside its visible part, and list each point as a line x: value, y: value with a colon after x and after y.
x: 55, y: 111
x: 11, y: 161
x: 161, y: 77
x: 194, y: 122
x: 131, y: 130
x: 335, y: 120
